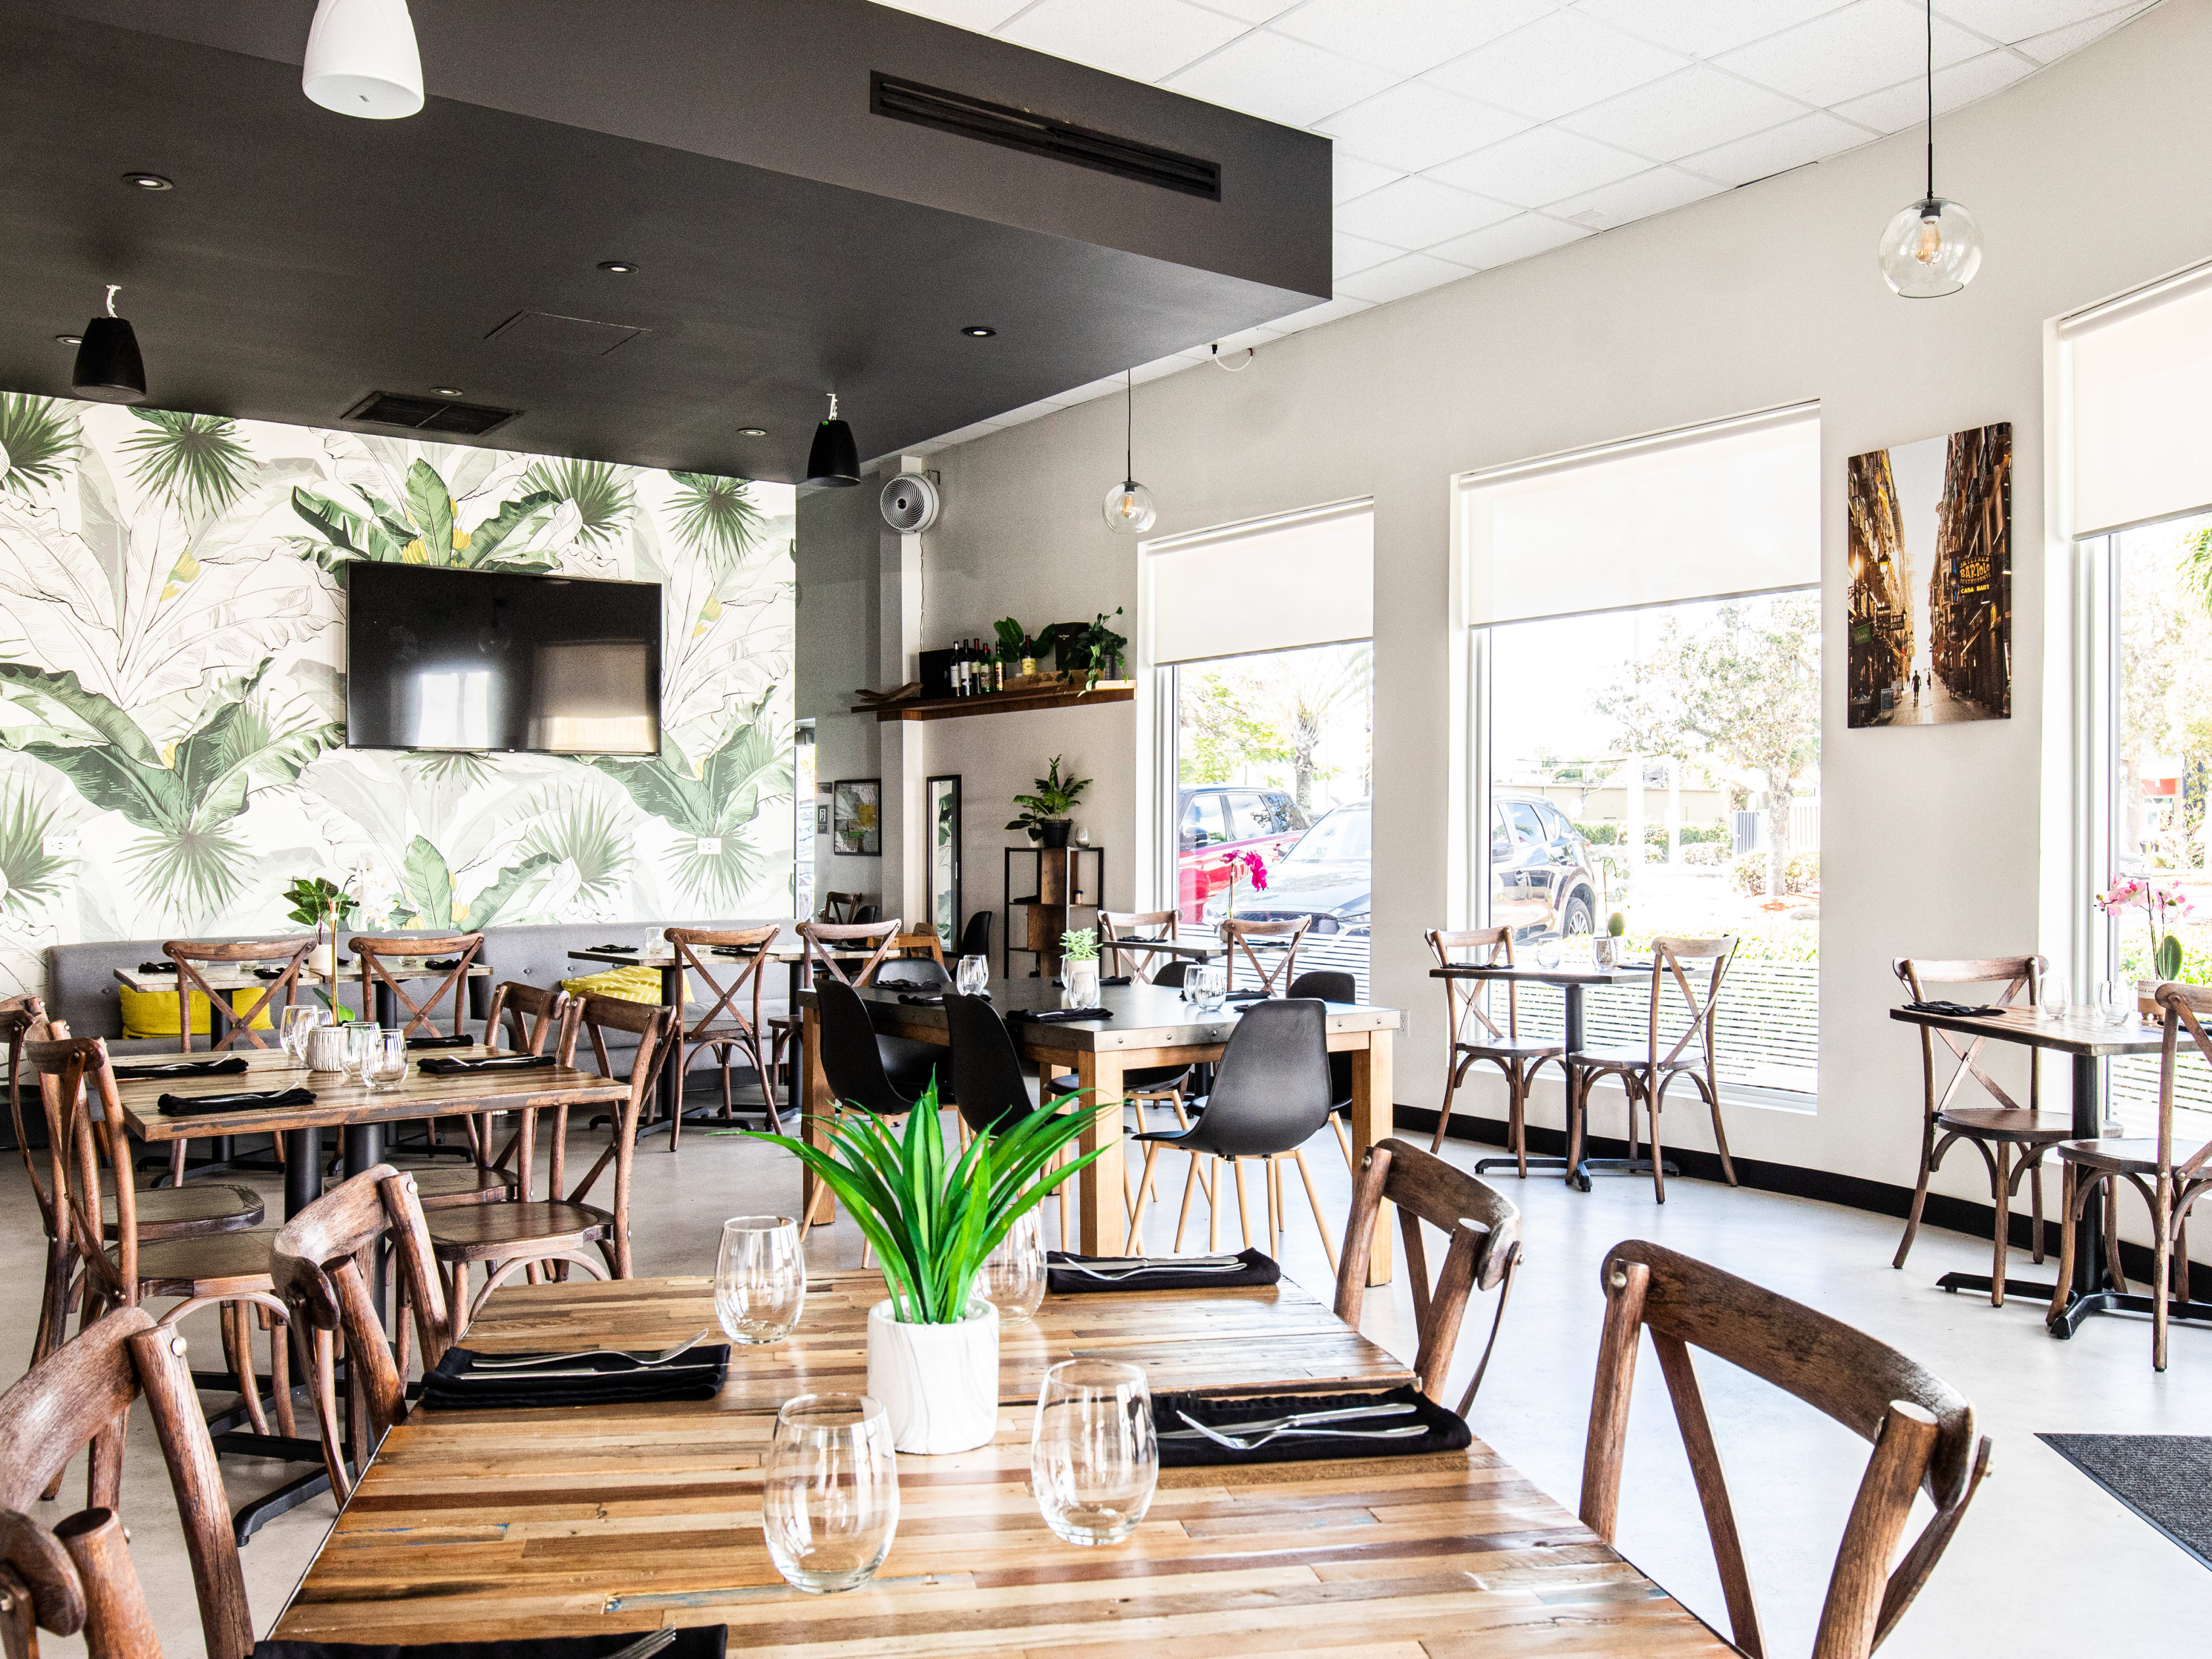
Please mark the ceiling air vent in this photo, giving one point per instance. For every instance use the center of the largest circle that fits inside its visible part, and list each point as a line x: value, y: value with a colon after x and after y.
x: 1041, y: 135
x: 429, y: 414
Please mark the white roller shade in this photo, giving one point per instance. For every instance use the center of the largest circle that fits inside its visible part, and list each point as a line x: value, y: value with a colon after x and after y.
x: 2138, y: 405
x: 1733, y: 507
x: 1308, y: 579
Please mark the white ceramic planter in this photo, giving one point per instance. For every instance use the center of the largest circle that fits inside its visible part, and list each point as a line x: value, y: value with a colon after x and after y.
x: 326, y: 1048
x: 323, y: 960
x: 939, y: 1384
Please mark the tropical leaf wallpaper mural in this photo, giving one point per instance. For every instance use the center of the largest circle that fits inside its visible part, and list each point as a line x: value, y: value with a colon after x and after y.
x: 172, y: 689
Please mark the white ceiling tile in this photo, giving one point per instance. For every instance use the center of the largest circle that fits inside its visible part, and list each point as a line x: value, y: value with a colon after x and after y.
x: 2050, y: 48
x: 1356, y: 177
x: 1705, y: 28
x: 1160, y: 368
x: 1539, y: 166
x: 1858, y: 50
x: 1409, y: 275
x: 1406, y: 35
x: 1344, y: 305
x: 1252, y: 11
x: 1558, y: 63
x: 1356, y: 253
x: 1778, y: 149
x: 1278, y: 79
x: 1416, y: 125
x: 1415, y: 212
x: 2017, y: 19
x: 1897, y: 107
x: 1634, y: 199
x: 1518, y: 238
x: 1142, y: 40
x: 1692, y: 109
x: 981, y: 15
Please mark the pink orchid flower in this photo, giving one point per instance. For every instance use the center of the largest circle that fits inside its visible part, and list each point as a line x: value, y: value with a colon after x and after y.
x: 1254, y: 868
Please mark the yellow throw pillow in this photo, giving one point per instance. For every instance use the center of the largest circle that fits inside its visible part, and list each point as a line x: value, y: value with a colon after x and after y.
x: 638, y: 984
x: 153, y: 1013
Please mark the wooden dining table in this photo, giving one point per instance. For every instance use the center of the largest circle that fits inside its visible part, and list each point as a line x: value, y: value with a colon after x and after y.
x: 600, y: 1520
x: 1145, y: 1025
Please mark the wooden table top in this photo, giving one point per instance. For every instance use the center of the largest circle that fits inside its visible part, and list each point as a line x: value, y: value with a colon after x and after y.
x: 339, y: 1103
x: 1565, y: 974
x: 1144, y: 1017
x: 235, y: 979
x: 2073, y: 1035
x: 590, y: 1521
x: 1200, y: 1343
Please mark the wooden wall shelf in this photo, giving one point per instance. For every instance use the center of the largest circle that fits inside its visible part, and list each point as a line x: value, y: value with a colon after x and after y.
x: 1008, y: 702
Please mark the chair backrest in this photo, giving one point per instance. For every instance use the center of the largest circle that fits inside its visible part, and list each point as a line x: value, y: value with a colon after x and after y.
x: 1330, y: 985
x: 1467, y: 1001
x: 989, y: 1080
x: 1131, y: 929
x: 2015, y: 977
x: 84, y: 1125
x: 839, y: 907
x: 916, y: 957
x: 851, y: 1062
x: 824, y: 942
x: 1239, y: 935
x: 373, y: 952
x: 82, y: 1394
x: 1482, y: 1250
x: 729, y: 985
x: 2186, y: 1007
x: 1669, y: 968
x: 975, y: 937
x: 318, y: 1261
x: 191, y: 955
x: 1271, y: 1088
x: 533, y: 1014
x: 1921, y: 1428
x: 654, y: 1028
x: 18, y: 1016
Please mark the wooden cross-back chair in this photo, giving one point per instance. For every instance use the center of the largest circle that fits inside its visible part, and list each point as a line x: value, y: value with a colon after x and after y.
x: 372, y: 951
x: 191, y: 955
x: 1482, y: 1251
x: 924, y: 946
x: 1124, y: 934
x: 1921, y: 1428
x: 81, y: 1396
x: 838, y: 908
x: 2001, y: 1128
x: 825, y: 942
x: 205, y: 1251
x: 318, y: 1261
x: 2169, y: 1180
x: 533, y: 1017
x: 1238, y: 936
x: 506, y: 1239
x: 1476, y: 1038
x: 1645, y: 1074
x: 21, y: 1017
x: 730, y: 968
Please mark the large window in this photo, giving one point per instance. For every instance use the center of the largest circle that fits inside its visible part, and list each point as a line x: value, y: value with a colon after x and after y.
x: 1646, y: 692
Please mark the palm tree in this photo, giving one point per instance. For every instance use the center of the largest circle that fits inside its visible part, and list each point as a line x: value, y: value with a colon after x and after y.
x: 195, y: 461
x: 715, y: 516
x: 600, y: 492
x: 30, y: 878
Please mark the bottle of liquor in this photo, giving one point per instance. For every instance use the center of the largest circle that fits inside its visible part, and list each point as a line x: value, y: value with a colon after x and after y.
x: 960, y: 668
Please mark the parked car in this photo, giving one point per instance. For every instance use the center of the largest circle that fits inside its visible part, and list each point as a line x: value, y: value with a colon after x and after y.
x: 1213, y: 819
x: 1328, y: 875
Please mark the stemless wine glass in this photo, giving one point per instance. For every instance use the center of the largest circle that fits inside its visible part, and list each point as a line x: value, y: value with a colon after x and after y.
x: 760, y: 1279
x: 384, y: 1058
x: 2116, y: 1001
x: 972, y: 976
x: 359, y: 1033
x: 2051, y: 996
x: 1012, y: 1279
x: 1093, y: 1459
x: 300, y: 1019
x: 1547, y: 953
x: 829, y: 1497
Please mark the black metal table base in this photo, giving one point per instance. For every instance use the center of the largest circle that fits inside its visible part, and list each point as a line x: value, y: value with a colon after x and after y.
x: 1484, y: 1166
x: 2026, y: 1290
x: 2110, y: 1301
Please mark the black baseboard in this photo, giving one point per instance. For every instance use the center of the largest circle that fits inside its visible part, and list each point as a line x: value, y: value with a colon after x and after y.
x: 1957, y: 1215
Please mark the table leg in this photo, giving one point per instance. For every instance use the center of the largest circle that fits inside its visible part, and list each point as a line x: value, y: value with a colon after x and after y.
x: 364, y: 1150
x: 303, y: 1169
x: 817, y: 1204
x: 1572, y: 1032
x: 669, y: 1086
x: 387, y: 1005
x: 1102, y: 1198
x: 1371, y: 1122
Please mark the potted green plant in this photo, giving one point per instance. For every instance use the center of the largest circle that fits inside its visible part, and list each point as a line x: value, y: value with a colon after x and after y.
x: 320, y: 904
x: 1044, y: 814
x: 933, y: 1342
x: 1610, y: 948
x: 1015, y: 645
x: 1079, y: 956
x: 1104, y: 647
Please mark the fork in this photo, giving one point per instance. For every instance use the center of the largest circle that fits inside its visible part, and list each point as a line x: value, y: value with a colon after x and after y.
x: 1234, y: 1444
x: 644, y: 1362
x: 1194, y: 1265
x: 1301, y: 1419
x: 645, y: 1646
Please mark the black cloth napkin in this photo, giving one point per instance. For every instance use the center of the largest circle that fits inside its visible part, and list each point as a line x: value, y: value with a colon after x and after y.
x: 735, y: 950
x: 464, y: 1041
x: 933, y: 999
x: 1116, y: 979
x: 627, y: 949
x: 882, y: 984
x: 1955, y: 1009
x: 442, y: 964
x: 1446, y: 1431
x: 203, y: 1105
x: 453, y: 1065
x: 1259, y: 1268
x: 1059, y: 1016
x: 227, y: 1067
x: 449, y: 1386
x: 703, y: 1642
x: 157, y: 967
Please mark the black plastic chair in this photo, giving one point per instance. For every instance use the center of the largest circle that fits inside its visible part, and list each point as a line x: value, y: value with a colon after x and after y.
x: 881, y: 1074
x: 989, y: 1084
x: 975, y: 937
x: 1333, y: 985
x: 1270, y: 1096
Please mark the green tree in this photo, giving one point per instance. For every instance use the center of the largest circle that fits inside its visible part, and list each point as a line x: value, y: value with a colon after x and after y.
x: 1275, y: 711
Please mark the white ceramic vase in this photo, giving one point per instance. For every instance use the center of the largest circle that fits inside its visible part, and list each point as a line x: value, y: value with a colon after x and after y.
x: 323, y: 960
x: 939, y: 1384
x: 326, y: 1048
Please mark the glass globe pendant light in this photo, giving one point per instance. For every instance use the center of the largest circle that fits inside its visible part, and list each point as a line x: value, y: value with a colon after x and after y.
x: 1128, y: 506
x: 1932, y: 247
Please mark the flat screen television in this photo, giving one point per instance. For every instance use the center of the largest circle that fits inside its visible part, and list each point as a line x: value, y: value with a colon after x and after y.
x: 473, y: 660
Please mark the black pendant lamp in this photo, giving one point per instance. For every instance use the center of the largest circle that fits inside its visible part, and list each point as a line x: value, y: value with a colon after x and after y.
x: 108, y: 367
x: 835, y: 459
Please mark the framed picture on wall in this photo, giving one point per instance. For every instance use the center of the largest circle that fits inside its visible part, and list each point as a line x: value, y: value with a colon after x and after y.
x: 856, y: 818
x: 1930, y: 639
x: 944, y: 859
x: 821, y: 818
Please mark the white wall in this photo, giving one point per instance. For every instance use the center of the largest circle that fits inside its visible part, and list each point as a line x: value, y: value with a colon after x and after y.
x: 2087, y: 178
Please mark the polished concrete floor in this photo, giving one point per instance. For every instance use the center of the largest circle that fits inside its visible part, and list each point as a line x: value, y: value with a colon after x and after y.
x: 2044, y: 1564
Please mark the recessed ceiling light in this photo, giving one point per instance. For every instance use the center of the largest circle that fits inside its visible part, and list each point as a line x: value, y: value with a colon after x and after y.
x: 69, y: 339
x: 752, y: 432
x: 619, y: 267
x: 979, y: 331
x: 147, y: 181
x: 446, y: 391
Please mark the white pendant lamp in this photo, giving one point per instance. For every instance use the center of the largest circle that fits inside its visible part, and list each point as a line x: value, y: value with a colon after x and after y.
x: 1128, y: 505
x: 1932, y: 247
x: 361, y: 59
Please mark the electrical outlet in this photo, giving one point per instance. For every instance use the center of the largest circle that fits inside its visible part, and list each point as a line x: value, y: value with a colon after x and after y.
x: 710, y: 847
x: 64, y: 844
